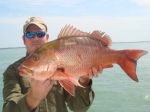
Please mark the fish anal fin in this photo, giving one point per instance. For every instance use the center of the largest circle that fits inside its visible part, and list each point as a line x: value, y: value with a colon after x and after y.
x: 95, y: 70
x: 103, y: 37
x: 68, y: 86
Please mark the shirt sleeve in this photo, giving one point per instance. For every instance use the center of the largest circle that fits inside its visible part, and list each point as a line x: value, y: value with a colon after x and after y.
x: 12, y: 96
x: 82, y: 100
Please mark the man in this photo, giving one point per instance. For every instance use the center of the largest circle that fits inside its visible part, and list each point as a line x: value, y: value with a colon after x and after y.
x: 22, y: 94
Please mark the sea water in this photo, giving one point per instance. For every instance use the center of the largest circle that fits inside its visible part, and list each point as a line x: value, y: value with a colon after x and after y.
x: 114, y: 90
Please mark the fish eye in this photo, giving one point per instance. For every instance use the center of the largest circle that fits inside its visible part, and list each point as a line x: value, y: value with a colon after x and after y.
x: 35, y: 57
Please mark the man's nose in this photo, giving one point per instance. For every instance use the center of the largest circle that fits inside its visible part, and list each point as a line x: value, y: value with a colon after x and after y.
x: 36, y: 37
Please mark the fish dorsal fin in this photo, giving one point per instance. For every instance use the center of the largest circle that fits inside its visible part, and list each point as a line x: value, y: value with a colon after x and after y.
x: 70, y: 31
x: 103, y: 37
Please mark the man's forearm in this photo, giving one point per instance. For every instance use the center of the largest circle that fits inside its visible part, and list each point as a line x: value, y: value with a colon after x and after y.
x: 82, y: 99
x: 16, y: 106
x: 31, y: 101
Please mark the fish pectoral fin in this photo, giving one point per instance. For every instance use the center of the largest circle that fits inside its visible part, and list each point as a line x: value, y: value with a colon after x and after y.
x: 68, y: 86
x: 67, y: 82
x: 58, y: 75
x: 64, y: 76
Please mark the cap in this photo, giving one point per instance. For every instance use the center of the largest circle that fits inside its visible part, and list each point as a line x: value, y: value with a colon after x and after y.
x: 35, y: 20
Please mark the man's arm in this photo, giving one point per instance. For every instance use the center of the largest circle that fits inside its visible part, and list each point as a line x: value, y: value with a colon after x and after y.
x: 38, y: 91
x: 12, y: 96
x: 83, y: 98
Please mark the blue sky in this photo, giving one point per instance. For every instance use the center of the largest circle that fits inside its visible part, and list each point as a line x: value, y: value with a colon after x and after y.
x: 123, y: 20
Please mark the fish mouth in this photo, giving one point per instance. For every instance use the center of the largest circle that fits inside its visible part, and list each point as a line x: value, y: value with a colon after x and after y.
x: 24, y: 70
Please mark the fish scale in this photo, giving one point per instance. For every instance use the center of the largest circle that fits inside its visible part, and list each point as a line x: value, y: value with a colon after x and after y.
x: 72, y: 56
x: 79, y: 56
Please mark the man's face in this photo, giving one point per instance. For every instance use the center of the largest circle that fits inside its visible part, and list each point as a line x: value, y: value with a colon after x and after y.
x: 35, y: 42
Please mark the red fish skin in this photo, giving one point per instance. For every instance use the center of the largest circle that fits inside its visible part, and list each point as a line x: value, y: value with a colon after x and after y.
x: 76, y: 53
x: 76, y: 57
x: 102, y: 59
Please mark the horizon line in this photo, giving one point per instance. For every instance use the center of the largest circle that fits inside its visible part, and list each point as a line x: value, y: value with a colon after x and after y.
x: 112, y: 43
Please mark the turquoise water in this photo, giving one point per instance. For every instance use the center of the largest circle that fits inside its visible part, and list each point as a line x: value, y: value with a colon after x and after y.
x: 114, y: 91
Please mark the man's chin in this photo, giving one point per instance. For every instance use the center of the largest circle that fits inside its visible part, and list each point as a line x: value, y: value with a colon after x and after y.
x: 33, y: 49
x: 35, y: 46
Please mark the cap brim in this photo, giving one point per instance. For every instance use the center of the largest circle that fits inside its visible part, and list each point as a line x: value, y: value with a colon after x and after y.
x: 41, y: 26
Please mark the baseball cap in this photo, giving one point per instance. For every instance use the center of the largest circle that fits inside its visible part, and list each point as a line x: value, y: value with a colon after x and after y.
x: 35, y: 20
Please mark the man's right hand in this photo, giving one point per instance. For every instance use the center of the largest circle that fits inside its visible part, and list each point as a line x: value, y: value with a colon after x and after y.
x: 38, y: 91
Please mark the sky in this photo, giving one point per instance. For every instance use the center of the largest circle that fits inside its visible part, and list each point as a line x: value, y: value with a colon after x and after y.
x: 123, y: 20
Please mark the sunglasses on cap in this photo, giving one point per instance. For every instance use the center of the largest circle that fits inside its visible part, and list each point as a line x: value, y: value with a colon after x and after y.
x: 31, y: 35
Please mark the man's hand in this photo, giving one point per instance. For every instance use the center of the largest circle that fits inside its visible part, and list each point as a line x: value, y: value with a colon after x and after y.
x: 84, y: 80
x: 39, y: 90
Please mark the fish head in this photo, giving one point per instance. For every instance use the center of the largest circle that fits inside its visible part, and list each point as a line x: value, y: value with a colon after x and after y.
x: 41, y: 61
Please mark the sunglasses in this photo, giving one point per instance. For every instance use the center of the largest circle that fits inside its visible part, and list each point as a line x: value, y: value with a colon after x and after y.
x: 31, y: 35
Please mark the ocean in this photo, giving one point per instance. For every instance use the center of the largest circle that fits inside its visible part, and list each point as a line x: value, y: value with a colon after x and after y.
x: 114, y: 90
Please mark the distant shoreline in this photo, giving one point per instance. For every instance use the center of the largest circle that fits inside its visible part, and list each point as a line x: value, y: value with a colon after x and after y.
x: 112, y: 43
x: 133, y: 42
x: 11, y: 47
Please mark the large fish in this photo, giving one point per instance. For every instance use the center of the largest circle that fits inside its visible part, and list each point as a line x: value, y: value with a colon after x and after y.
x: 74, y: 54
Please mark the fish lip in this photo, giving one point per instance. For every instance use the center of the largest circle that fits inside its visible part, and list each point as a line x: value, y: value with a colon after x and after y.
x: 23, y: 68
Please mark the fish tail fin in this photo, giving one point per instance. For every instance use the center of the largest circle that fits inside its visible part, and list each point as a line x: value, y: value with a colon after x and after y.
x: 129, y: 62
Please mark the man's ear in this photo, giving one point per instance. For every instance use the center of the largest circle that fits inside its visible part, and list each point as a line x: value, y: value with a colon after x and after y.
x: 23, y: 38
x: 47, y: 36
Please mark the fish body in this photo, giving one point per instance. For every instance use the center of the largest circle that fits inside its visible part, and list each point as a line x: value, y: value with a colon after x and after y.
x: 73, y: 55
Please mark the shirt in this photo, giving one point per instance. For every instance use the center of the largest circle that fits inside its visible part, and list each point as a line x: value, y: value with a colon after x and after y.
x: 57, y: 100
